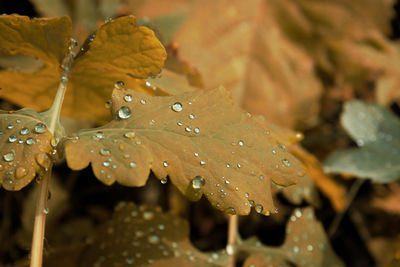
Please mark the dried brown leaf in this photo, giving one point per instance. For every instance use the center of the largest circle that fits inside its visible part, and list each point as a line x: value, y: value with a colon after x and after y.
x: 200, y: 140
x: 25, y: 143
x: 144, y: 236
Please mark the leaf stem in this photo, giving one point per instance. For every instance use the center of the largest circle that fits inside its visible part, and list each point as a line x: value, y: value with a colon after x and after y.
x: 41, y: 203
x: 40, y: 222
x: 233, y: 239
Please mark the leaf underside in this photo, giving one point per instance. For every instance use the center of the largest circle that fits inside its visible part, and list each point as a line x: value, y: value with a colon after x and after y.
x: 377, y: 133
x: 25, y: 143
x: 208, y: 146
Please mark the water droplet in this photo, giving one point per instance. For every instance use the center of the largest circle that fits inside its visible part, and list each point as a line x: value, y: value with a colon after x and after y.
x: 196, y: 154
x: 8, y: 156
x: 132, y: 164
x: 239, y: 165
x: 106, y: 163
x: 251, y: 202
x: 241, y: 143
x: 98, y: 135
x: 298, y: 213
x: 108, y: 103
x: 124, y: 113
x: 164, y: 180
x: 286, y: 162
x: 198, y: 182
x: 40, y: 128
x: 72, y: 43
x: 296, y: 249
x: 196, y: 130
x: 228, y: 165
x: 202, y: 163
x: 130, y: 134
x: 188, y: 129
x: 177, y: 107
x: 165, y: 164
x: 10, y: 126
x: 310, y: 248
x: 119, y: 85
x: 153, y: 239
x: 46, y: 211
x: 20, y: 141
x: 21, y: 172
x: 8, y: 181
x: 142, y: 101
x: 148, y: 84
x: 148, y: 215
x: 12, y: 139
x: 24, y: 131
x: 161, y: 227
x: 274, y: 151
x: 129, y: 261
x: 259, y: 208
x: 230, y: 210
x: 105, y: 152
x: 261, y: 177
x: 128, y: 98
x: 191, y: 116
x: 227, y: 182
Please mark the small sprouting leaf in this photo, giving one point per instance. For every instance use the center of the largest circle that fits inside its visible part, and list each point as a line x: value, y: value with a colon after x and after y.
x: 121, y: 46
x: 25, y: 143
x: 43, y: 38
x: 377, y: 133
x: 144, y: 236
x: 306, y: 244
x: 204, y: 143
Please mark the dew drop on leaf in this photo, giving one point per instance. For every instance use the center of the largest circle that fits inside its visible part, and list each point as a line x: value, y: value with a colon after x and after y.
x: 231, y: 211
x: 198, y: 182
x: 153, y: 239
x: 188, y: 129
x: 128, y: 98
x: 241, y: 143
x: 177, y: 107
x: 142, y: 101
x: 130, y: 134
x: 24, y: 131
x: 8, y: 156
x: 105, y: 152
x: 148, y: 215
x: 12, y: 139
x: 132, y: 164
x: 259, y: 208
x: 164, y: 180
x: 106, y: 163
x: 124, y: 113
x: 119, y: 85
x: 40, y: 128
x: 286, y: 162
x: 165, y: 164
x: 196, y: 130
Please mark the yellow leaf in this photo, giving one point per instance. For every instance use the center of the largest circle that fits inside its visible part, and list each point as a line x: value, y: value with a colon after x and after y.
x: 25, y: 143
x: 199, y: 139
x: 43, y: 38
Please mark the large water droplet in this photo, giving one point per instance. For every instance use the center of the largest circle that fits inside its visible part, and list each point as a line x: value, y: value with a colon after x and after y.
x: 164, y: 180
x: 119, y: 85
x: 8, y: 156
x: 106, y: 163
x: 259, y: 208
x: 40, y: 128
x: 177, y: 107
x: 198, y: 182
x: 241, y: 143
x: 132, y: 164
x: 128, y: 98
x: 196, y: 130
x: 230, y: 210
x: 124, y: 113
x: 98, y: 136
x: 165, y: 164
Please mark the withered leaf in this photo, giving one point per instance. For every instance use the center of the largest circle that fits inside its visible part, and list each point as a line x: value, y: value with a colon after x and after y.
x: 43, y: 38
x: 204, y: 143
x: 144, y: 236
x: 377, y: 133
x: 306, y: 244
x: 25, y: 143
x: 120, y: 51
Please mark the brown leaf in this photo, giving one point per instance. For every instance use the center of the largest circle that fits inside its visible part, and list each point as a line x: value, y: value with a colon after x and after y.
x: 306, y: 244
x: 200, y: 140
x: 144, y: 236
x: 244, y: 50
x: 25, y: 144
x: 43, y: 38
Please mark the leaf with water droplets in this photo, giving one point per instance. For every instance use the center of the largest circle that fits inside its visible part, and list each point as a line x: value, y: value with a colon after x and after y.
x: 25, y: 145
x: 377, y: 133
x: 144, y: 236
x: 43, y: 38
x: 204, y: 143
x: 306, y: 244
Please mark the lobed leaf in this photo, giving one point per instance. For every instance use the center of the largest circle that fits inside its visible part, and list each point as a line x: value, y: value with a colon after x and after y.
x: 43, y: 38
x: 306, y: 244
x: 144, y: 236
x: 199, y: 139
x: 377, y: 133
x: 25, y: 143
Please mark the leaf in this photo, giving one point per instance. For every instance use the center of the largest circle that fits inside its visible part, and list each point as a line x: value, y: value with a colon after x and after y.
x: 306, y: 244
x: 25, y: 143
x: 44, y: 38
x: 244, y: 50
x: 377, y: 133
x: 200, y: 140
x: 144, y: 236
x: 94, y: 72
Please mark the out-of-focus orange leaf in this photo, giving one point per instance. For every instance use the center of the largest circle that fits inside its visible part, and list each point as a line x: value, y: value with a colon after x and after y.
x: 24, y: 145
x: 144, y: 236
x: 200, y: 140
x: 120, y: 51
x: 334, y: 191
x: 44, y: 38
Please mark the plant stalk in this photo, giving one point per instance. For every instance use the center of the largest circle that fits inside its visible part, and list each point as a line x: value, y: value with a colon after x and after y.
x: 41, y: 202
x: 233, y: 239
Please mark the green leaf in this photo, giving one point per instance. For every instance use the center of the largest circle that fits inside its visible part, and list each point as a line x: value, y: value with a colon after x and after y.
x: 204, y: 143
x: 377, y: 133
